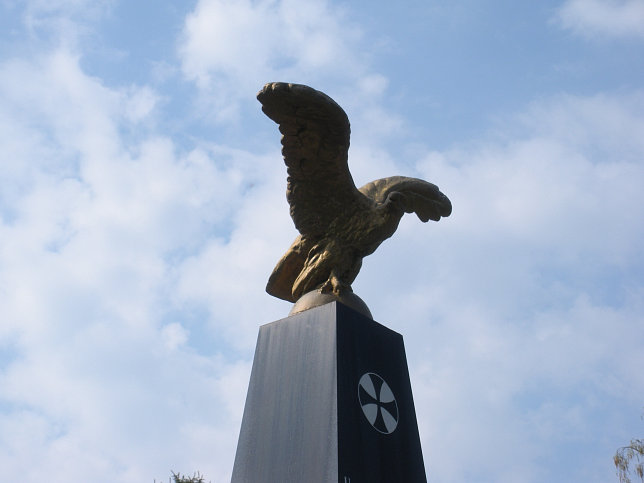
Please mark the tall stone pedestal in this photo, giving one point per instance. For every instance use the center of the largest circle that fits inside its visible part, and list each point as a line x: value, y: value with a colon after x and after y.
x: 329, y: 400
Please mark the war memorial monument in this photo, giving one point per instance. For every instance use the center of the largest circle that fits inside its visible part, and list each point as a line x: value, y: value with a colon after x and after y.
x: 329, y: 398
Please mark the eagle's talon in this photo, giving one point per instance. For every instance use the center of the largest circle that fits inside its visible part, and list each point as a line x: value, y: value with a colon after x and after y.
x: 327, y: 287
x: 335, y: 286
x: 342, y: 289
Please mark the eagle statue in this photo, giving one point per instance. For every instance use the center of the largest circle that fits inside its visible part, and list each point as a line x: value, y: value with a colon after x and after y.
x: 339, y: 224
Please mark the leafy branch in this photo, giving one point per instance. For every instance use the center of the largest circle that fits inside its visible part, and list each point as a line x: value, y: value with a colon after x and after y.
x: 633, y: 453
x: 196, y: 478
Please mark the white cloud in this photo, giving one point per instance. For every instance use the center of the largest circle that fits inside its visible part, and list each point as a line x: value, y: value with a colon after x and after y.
x: 174, y: 335
x: 243, y: 40
x: 94, y: 230
x: 563, y: 176
x: 62, y: 22
x: 610, y: 18
x: 232, y: 48
x: 141, y: 101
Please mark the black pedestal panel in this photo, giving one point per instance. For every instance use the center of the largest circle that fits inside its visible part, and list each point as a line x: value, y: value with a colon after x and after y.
x: 329, y: 400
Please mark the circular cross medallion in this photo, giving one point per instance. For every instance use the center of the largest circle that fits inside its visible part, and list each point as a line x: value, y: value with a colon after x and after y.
x: 378, y: 403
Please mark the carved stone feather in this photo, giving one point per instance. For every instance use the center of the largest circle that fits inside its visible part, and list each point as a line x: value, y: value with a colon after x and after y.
x: 339, y: 224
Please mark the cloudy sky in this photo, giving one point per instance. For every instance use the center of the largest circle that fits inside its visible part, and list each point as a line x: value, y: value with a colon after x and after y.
x: 142, y: 209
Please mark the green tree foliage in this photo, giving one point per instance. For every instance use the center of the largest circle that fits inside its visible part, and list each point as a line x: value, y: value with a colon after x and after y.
x: 179, y: 478
x: 629, y: 459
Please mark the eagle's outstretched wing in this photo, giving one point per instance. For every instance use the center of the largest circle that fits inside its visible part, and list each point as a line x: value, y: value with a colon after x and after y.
x: 413, y: 196
x: 315, y: 139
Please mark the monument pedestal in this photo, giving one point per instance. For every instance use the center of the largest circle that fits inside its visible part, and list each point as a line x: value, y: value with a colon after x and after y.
x: 329, y: 400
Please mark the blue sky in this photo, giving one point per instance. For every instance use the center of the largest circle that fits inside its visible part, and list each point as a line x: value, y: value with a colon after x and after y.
x: 142, y: 209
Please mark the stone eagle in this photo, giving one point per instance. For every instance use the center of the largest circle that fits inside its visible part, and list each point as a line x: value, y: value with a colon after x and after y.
x: 339, y: 224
